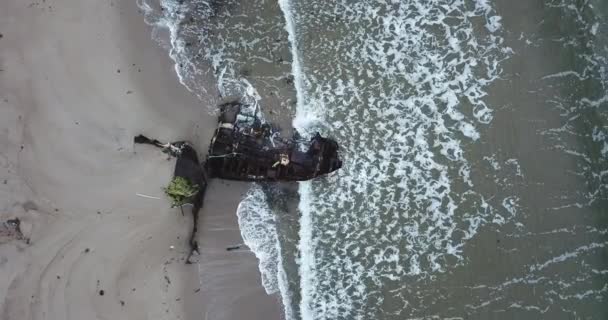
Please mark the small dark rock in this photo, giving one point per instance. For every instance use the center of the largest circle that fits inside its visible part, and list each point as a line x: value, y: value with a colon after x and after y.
x: 101, y: 292
x: 129, y: 92
x: 289, y: 80
x: 122, y: 303
x: 118, y: 70
x: 87, y: 250
x: 58, y: 277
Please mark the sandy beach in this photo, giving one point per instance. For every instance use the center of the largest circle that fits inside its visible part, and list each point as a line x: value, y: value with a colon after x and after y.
x: 77, y: 81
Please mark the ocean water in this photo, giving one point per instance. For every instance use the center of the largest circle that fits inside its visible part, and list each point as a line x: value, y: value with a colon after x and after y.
x: 475, y: 142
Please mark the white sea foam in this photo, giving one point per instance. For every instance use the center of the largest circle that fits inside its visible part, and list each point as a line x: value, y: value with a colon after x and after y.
x: 600, y: 136
x: 304, y: 117
x: 590, y: 65
x: 392, y: 212
x: 306, y: 247
x: 257, y: 223
x: 257, y: 226
x: 169, y: 19
x: 191, y: 64
x: 568, y: 255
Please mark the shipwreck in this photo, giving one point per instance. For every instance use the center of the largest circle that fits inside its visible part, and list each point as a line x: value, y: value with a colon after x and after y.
x: 243, y: 148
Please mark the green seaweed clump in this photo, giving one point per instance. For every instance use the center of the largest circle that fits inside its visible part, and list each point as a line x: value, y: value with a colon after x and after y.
x: 180, y: 191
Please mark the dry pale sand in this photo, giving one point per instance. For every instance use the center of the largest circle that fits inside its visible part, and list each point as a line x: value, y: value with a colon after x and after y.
x: 78, y: 80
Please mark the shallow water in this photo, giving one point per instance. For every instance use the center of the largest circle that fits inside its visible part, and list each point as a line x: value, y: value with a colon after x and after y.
x: 474, y: 137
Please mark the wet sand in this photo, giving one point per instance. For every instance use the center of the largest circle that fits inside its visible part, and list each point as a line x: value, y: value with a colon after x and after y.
x: 77, y: 82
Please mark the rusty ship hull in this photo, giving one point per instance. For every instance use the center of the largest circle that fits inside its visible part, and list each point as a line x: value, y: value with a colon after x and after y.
x: 245, y: 149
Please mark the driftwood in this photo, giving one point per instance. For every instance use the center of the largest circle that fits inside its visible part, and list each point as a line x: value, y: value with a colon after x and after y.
x: 188, y: 167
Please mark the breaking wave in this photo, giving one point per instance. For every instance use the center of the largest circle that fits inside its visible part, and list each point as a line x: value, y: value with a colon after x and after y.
x: 257, y: 225
x: 202, y: 65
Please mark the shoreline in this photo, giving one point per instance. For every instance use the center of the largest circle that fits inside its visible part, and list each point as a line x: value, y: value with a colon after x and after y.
x: 79, y: 81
